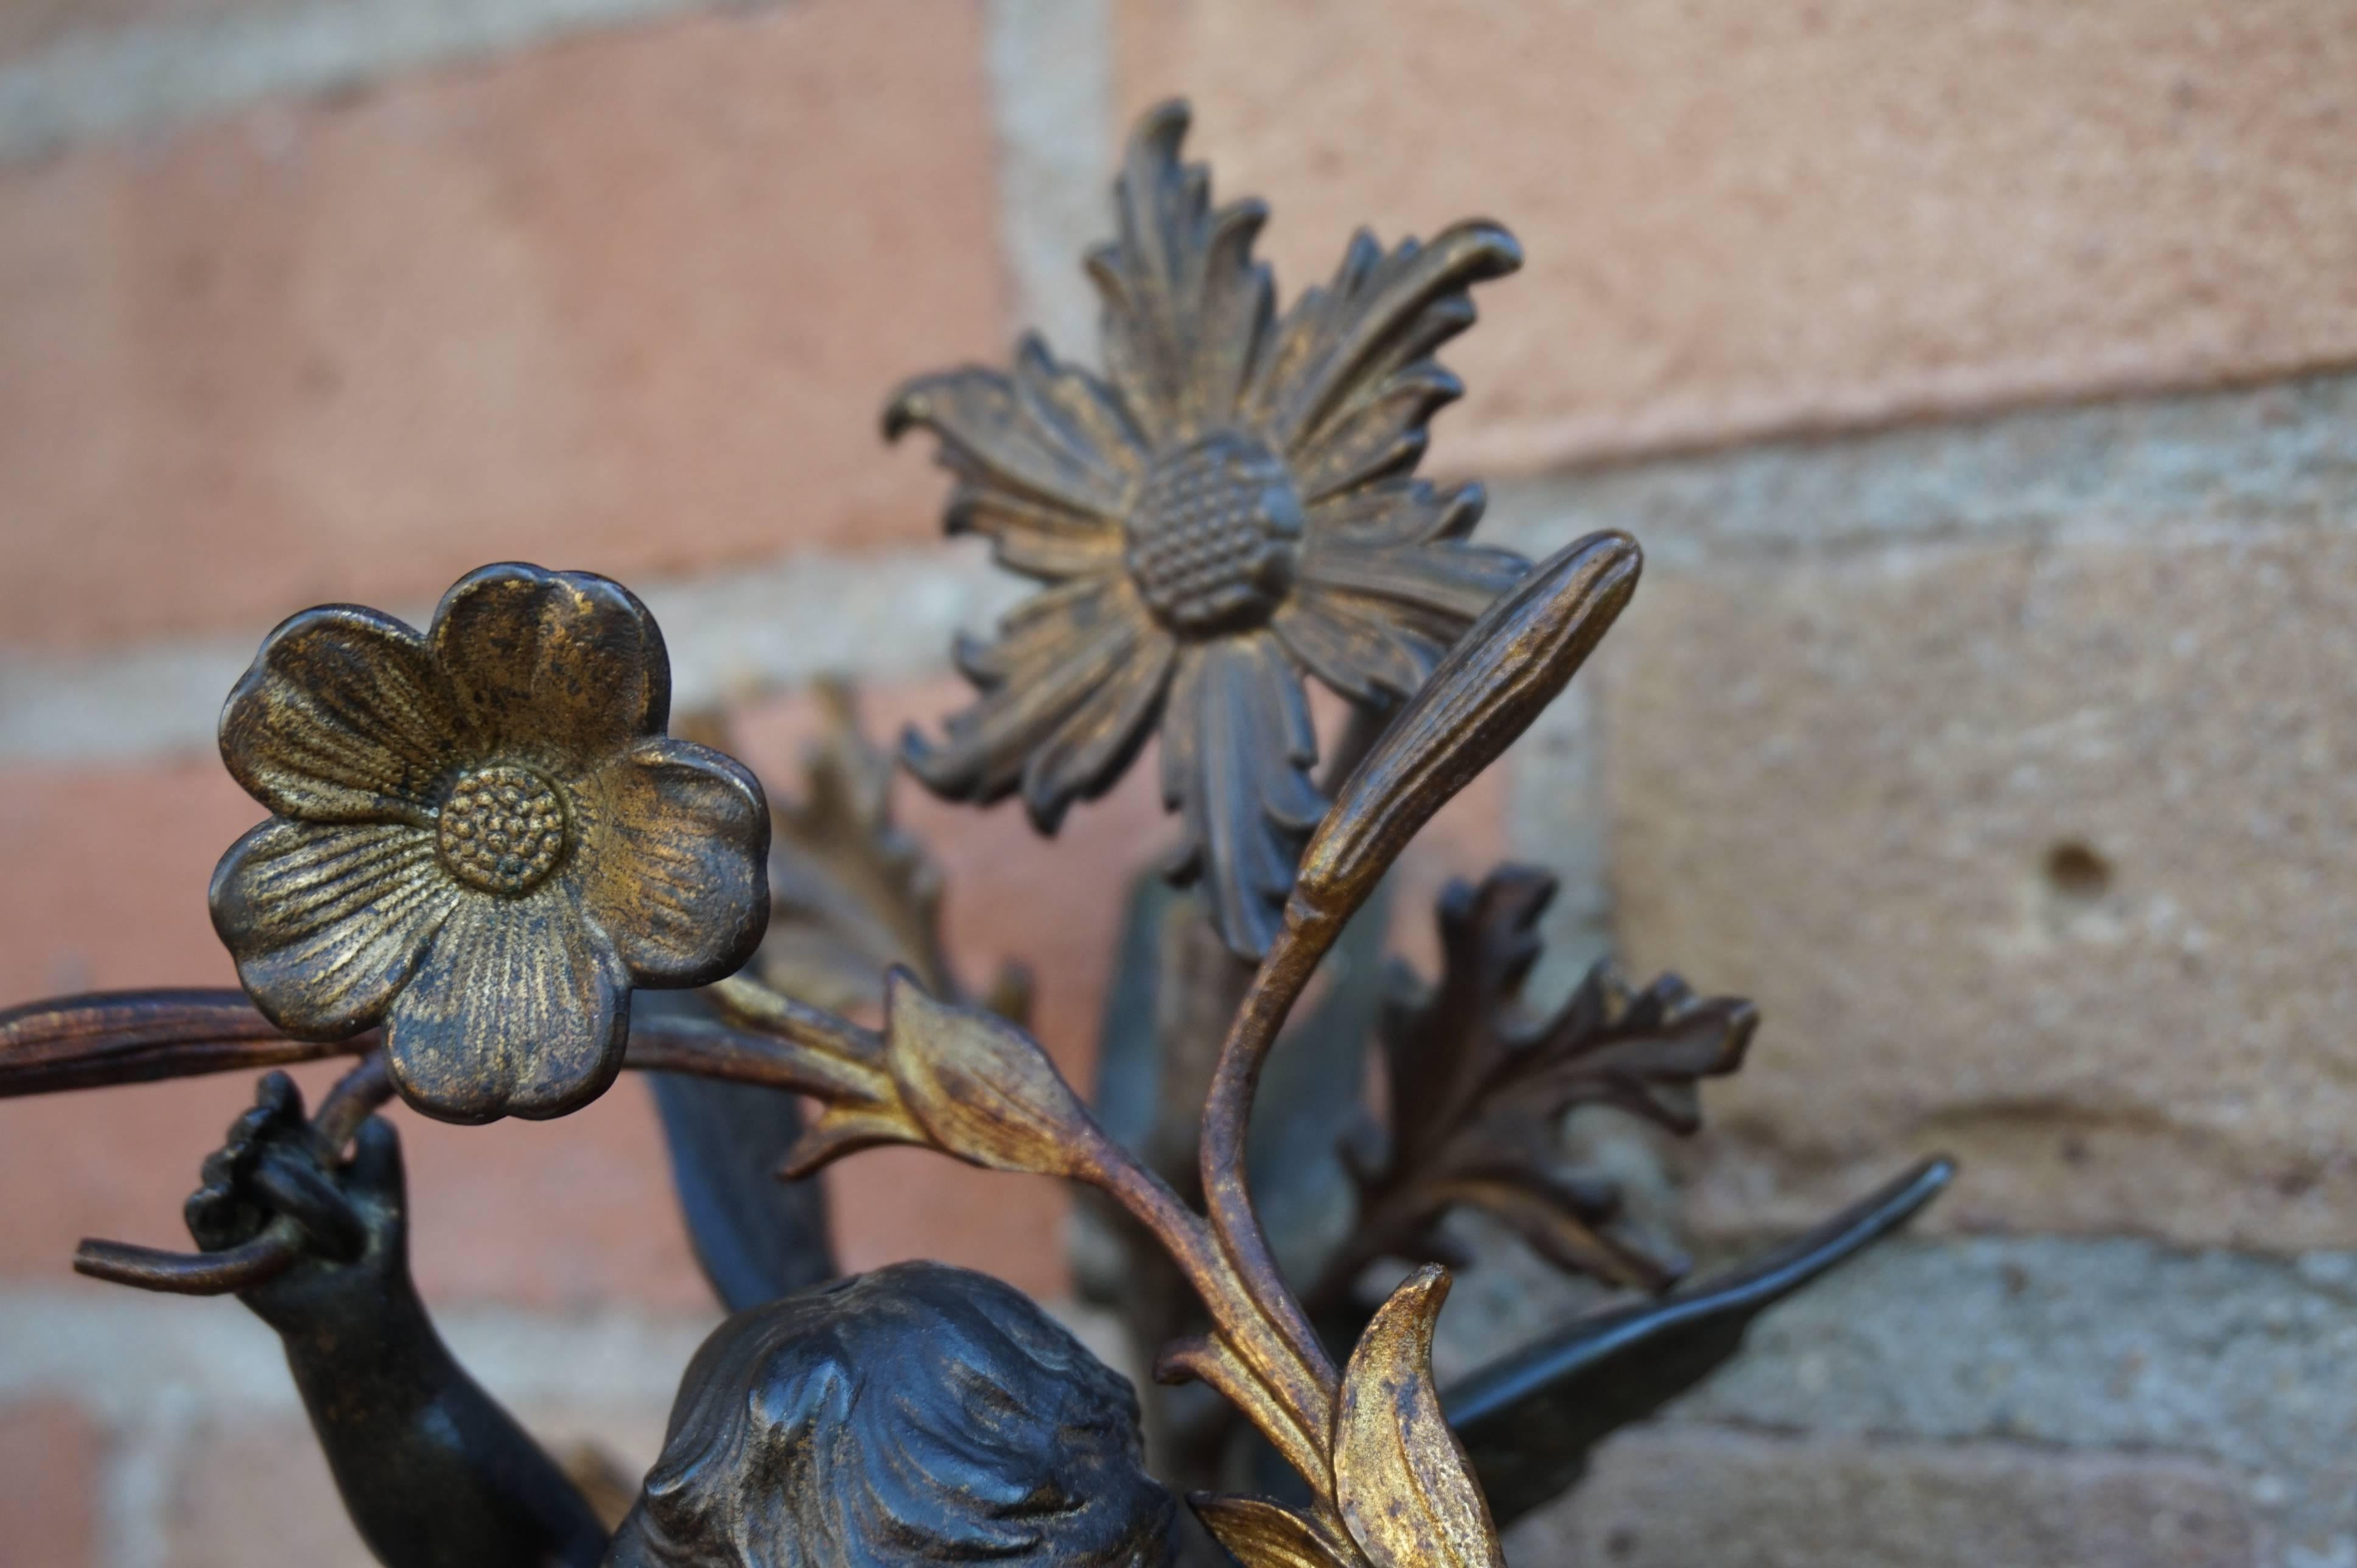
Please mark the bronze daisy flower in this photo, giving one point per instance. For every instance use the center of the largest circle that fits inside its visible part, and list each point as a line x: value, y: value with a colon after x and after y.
x: 1229, y: 507
x: 483, y: 839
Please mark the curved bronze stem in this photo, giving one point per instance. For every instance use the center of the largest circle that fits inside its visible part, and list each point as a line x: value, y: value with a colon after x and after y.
x: 355, y: 1097
x: 138, y: 1037
x: 225, y: 1272
x: 1227, y: 1113
x: 135, y: 1037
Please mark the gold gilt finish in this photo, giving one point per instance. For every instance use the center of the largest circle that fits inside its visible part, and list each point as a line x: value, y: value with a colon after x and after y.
x: 1228, y: 509
x: 482, y: 839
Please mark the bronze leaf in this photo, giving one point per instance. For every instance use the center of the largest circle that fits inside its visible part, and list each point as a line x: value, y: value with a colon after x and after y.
x: 1401, y: 1478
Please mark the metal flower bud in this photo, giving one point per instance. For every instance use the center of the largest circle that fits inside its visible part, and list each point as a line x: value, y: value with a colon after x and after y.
x: 982, y: 1088
x: 1510, y: 664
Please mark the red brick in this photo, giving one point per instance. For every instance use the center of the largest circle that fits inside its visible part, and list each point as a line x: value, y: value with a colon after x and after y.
x: 629, y: 302
x: 1744, y: 217
x: 50, y: 1460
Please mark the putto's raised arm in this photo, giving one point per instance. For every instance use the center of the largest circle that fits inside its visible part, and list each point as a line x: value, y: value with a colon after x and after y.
x: 433, y: 1471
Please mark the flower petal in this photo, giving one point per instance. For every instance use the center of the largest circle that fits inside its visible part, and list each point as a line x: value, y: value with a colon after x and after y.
x: 562, y: 666
x: 1186, y: 305
x: 1035, y: 538
x: 327, y: 920
x: 1059, y: 648
x: 1101, y: 737
x: 1052, y: 435
x: 521, y: 1009
x: 1454, y: 581
x: 1237, y: 749
x: 677, y: 876
x: 1371, y: 653
x: 344, y: 716
x: 1398, y: 511
x: 1347, y: 383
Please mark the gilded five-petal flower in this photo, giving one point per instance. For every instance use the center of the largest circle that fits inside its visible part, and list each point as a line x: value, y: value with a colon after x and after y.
x: 1230, y: 506
x: 482, y: 838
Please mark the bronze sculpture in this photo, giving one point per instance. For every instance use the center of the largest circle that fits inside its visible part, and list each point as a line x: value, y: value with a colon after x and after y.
x: 483, y: 840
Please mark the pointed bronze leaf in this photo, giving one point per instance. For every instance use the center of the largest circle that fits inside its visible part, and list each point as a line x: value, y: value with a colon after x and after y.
x: 982, y: 1088
x: 851, y: 892
x: 1401, y: 1478
x: 1263, y: 1534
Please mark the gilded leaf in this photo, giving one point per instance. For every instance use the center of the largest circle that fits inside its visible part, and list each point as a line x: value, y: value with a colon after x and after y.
x: 1263, y: 1534
x: 1401, y: 1478
x: 981, y: 1088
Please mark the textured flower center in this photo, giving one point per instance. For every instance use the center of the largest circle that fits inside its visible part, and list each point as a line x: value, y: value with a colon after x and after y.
x: 502, y: 830
x: 1212, y: 535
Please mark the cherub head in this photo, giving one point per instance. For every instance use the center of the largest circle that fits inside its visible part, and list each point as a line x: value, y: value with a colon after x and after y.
x: 917, y: 1413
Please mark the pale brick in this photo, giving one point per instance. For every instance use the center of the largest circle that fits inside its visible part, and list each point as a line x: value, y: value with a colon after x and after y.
x: 629, y: 302
x: 247, y: 1489
x: 1743, y: 218
x: 50, y: 1459
x: 1677, y: 1497
x: 2038, y: 853
x: 28, y: 26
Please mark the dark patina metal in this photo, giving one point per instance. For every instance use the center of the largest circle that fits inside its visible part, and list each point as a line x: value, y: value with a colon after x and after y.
x: 483, y: 840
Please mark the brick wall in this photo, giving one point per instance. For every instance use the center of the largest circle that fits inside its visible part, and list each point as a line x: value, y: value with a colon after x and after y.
x: 1979, y: 377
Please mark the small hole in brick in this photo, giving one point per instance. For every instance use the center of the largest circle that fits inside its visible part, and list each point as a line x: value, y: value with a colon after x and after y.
x: 1620, y: 1543
x: 2077, y: 873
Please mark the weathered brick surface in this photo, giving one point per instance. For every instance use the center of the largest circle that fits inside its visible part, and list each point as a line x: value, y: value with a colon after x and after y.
x: 237, y: 1486
x: 1744, y: 218
x: 2072, y: 1345
x: 51, y: 1457
x: 629, y: 302
x: 29, y: 25
x: 2037, y: 853
x: 1675, y: 1496
x: 262, y: 1486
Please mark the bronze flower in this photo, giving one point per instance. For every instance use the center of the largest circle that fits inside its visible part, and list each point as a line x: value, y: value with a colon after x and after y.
x: 483, y: 839
x: 1230, y: 506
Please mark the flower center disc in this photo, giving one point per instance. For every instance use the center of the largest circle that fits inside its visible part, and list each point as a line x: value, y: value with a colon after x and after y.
x: 502, y: 830
x: 1212, y: 536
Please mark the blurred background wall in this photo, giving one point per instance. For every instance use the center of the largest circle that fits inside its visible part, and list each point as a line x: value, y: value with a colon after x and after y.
x: 1974, y: 371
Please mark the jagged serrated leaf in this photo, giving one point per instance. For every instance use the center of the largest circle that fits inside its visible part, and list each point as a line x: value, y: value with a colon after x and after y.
x: 1478, y: 1085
